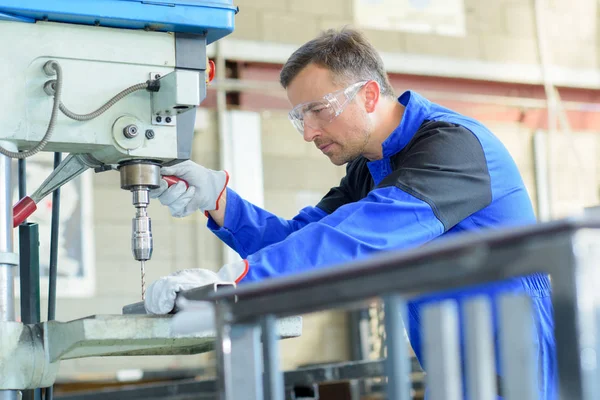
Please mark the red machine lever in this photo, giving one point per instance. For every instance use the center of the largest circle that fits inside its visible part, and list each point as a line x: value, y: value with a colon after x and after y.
x: 22, y: 210
x: 171, y: 180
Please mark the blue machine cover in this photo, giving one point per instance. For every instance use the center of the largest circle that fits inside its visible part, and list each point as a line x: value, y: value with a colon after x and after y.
x: 215, y: 18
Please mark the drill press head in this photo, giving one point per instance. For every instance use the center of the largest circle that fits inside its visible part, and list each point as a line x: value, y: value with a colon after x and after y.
x: 139, y: 177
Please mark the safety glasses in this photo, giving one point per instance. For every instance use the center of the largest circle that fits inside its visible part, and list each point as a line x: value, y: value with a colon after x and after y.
x: 317, y: 114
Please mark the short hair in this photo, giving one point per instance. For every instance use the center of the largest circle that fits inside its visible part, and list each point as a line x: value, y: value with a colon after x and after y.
x: 346, y: 53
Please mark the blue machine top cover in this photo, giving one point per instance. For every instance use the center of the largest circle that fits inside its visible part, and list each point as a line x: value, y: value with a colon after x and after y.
x: 214, y: 18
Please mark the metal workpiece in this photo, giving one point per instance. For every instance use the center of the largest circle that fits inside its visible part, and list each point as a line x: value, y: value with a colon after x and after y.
x: 137, y: 174
x: 475, y: 259
x: 201, y: 293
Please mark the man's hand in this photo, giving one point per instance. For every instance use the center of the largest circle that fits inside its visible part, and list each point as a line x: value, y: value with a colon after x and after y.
x: 204, y: 192
x: 161, y: 294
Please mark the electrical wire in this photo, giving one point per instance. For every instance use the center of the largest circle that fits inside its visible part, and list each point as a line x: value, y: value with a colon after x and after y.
x: 56, y: 87
x: 109, y: 104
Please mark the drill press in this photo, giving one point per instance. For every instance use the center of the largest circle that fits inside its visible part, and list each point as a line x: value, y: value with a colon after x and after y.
x: 139, y: 177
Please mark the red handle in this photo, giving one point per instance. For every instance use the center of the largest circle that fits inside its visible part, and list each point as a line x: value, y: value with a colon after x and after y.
x: 22, y: 210
x: 171, y: 180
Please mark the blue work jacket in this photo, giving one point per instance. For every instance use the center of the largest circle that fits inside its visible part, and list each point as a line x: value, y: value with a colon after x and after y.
x: 441, y: 173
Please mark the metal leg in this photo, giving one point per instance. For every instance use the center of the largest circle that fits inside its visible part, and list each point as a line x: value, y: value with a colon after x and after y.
x: 223, y: 350
x: 30, y: 284
x: 246, y: 353
x: 274, y: 388
x: 480, y: 360
x: 398, y: 359
x: 516, y: 348
x: 442, y: 352
x: 575, y: 304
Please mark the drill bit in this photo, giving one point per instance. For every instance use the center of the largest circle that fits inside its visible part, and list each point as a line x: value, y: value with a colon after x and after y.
x: 143, y: 267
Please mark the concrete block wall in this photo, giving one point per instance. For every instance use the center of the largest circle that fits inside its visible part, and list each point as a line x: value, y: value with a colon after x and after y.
x: 497, y: 31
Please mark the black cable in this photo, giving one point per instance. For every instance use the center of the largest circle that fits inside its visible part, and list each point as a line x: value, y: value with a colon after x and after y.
x: 53, y: 257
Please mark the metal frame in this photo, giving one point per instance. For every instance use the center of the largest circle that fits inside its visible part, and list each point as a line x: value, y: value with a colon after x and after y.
x: 567, y: 250
x: 306, y: 377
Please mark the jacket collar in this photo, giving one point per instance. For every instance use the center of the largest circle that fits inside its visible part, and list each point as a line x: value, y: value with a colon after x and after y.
x: 416, y: 110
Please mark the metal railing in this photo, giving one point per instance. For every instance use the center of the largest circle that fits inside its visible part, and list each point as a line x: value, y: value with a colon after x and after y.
x: 567, y: 250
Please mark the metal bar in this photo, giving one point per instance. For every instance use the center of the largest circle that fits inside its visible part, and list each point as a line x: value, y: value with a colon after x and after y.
x: 519, y: 380
x: 29, y: 273
x: 29, y: 277
x: 247, y: 364
x: 53, y: 265
x: 479, y: 352
x: 54, y: 232
x: 575, y: 301
x: 441, y: 350
x: 475, y: 259
x: 196, y: 294
x: 7, y: 291
x: 273, y: 378
x: 398, y: 359
x: 223, y: 351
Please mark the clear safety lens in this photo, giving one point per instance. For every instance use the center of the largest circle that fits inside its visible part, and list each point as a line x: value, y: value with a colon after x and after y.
x: 317, y: 114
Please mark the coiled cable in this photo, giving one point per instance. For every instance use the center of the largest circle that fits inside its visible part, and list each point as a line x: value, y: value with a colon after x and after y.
x: 54, y: 88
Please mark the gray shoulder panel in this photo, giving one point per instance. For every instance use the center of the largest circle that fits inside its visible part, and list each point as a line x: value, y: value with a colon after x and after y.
x: 444, y: 165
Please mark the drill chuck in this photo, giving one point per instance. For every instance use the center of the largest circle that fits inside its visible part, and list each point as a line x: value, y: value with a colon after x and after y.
x: 141, y: 238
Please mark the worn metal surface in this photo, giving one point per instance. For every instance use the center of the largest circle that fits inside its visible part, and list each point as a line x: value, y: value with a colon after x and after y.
x: 129, y: 335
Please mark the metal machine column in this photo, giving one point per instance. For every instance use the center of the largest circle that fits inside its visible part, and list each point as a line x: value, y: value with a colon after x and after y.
x: 8, y: 259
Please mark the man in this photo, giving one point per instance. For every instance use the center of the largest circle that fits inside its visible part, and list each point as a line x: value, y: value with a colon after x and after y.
x: 415, y: 172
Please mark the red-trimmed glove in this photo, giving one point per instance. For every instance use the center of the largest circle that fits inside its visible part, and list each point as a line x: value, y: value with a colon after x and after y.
x: 161, y: 294
x: 205, y: 189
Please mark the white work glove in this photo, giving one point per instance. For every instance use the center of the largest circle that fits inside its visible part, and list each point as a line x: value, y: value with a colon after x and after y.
x: 205, y: 189
x: 161, y: 294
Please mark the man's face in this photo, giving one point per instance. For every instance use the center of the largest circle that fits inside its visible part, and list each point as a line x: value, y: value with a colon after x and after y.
x: 345, y: 137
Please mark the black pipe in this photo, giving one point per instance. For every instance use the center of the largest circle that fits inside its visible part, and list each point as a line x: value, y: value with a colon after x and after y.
x: 53, y: 257
x: 22, y: 178
x: 29, y: 271
x: 29, y: 278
